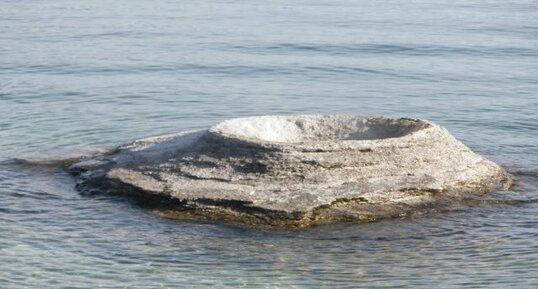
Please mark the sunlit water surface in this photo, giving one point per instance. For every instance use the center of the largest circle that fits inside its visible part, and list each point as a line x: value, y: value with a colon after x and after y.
x: 77, y: 76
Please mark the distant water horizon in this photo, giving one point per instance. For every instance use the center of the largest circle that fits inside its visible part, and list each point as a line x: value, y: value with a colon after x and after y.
x: 80, y: 77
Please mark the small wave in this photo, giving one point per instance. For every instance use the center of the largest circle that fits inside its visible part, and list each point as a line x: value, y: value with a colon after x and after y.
x: 488, y: 201
x: 532, y: 174
x: 395, y: 49
x: 22, y: 211
x: 49, y: 163
x: 54, y: 160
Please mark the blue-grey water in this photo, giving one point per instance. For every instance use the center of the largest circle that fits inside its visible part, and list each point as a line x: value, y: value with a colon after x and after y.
x: 77, y: 76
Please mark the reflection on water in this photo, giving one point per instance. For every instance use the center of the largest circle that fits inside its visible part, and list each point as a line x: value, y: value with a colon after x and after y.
x: 76, y: 78
x: 56, y: 236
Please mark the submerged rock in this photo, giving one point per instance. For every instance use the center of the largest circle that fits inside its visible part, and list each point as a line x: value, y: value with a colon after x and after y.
x: 297, y: 170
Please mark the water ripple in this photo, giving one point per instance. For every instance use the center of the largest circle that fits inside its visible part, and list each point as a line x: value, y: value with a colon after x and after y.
x: 79, y: 76
x: 390, y: 49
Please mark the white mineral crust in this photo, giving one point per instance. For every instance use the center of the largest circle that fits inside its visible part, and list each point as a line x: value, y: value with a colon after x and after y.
x: 303, y: 169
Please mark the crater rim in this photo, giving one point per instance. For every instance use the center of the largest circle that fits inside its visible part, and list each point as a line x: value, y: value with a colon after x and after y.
x: 317, y: 129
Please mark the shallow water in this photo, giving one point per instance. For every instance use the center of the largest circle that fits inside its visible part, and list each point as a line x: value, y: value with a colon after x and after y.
x: 78, y: 77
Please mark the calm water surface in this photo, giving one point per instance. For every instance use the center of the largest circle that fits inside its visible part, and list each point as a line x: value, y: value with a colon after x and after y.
x: 76, y: 76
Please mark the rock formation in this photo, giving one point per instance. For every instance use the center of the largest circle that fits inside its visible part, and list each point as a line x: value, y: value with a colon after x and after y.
x: 297, y: 170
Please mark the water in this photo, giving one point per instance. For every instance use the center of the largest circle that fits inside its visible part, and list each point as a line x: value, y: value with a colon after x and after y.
x: 79, y: 76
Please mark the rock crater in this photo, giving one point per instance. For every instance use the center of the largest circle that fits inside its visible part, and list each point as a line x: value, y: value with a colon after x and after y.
x: 296, y: 170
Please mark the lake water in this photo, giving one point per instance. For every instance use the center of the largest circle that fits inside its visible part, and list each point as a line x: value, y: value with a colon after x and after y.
x: 77, y: 76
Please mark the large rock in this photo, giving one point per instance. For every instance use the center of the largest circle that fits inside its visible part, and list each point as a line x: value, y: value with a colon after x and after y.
x: 298, y: 170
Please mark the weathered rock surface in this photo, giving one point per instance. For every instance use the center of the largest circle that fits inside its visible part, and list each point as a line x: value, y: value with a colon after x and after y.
x: 298, y: 170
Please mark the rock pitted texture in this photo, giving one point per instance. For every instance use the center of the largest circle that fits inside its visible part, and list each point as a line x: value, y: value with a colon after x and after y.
x: 298, y: 170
